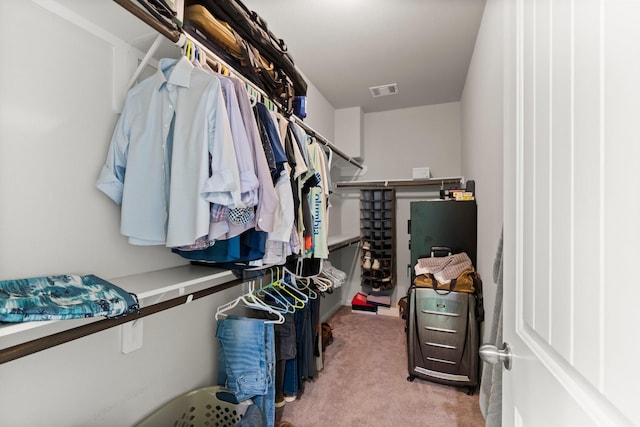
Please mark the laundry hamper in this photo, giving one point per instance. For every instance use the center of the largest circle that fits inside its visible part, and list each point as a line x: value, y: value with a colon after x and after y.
x: 202, y: 407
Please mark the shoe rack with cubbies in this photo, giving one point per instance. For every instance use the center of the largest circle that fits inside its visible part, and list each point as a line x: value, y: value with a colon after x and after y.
x: 377, y: 240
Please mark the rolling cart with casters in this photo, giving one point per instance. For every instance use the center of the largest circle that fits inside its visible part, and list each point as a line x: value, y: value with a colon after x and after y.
x: 443, y: 338
x: 443, y: 328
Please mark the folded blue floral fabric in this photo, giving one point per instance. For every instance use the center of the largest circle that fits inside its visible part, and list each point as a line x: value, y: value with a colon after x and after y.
x: 63, y: 297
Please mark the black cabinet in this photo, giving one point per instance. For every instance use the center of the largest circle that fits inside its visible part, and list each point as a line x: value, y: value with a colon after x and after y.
x: 448, y: 223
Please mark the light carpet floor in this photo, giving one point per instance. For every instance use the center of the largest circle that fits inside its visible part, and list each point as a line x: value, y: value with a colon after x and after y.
x: 364, y: 383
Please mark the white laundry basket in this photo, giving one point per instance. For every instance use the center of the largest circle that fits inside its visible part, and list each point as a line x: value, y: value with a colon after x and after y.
x: 198, y: 408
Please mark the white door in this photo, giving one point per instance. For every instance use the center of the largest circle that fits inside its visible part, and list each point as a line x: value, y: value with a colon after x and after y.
x: 572, y: 212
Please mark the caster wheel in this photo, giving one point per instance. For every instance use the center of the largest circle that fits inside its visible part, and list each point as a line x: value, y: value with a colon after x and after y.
x: 410, y: 378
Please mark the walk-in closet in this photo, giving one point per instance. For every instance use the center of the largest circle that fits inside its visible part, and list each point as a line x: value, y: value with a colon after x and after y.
x: 205, y: 216
x: 78, y: 76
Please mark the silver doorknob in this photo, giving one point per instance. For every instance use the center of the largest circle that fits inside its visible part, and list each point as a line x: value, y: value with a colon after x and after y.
x: 490, y: 354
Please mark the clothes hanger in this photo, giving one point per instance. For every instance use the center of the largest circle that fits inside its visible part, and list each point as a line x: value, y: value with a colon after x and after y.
x: 270, y: 290
x: 306, y: 287
x: 306, y: 282
x: 193, y: 53
x: 284, y: 306
x: 253, y: 95
x: 204, y: 61
x: 322, y: 284
x: 334, y: 280
x: 252, y: 301
x: 292, y: 290
x: 187, y: 49
x: 296, y: 279
x: 196, y: 57
x: 330, y: 157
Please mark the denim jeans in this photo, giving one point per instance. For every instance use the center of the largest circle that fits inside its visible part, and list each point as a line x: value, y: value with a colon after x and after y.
x: 246, y: 362
x: 285, y: 342
x: 290, y: 385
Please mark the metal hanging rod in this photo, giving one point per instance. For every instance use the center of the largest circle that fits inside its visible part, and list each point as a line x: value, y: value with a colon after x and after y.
x: 326, y: 142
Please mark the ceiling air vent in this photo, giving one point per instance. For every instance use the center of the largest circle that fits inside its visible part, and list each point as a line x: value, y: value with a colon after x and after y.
x: 384, y: 90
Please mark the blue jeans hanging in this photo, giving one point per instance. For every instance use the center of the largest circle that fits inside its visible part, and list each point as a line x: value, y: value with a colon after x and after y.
x: 246, y: 362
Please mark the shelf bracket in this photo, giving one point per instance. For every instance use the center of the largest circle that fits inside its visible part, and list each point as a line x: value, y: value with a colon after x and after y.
x: 131, y: 336
x: 145, y: 60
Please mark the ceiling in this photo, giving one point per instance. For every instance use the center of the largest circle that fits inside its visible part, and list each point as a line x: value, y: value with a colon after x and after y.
x: 344, y: 47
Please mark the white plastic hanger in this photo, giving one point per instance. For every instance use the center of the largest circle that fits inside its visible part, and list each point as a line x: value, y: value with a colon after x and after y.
x: 291, y: 289
x: 252, y: 301
x: 285, y: 306
x: 322, y: 283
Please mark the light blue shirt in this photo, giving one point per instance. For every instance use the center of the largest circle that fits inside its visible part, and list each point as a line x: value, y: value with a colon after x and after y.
x: 244, y: 155
x: 157, y: 165
x: 249, y: 184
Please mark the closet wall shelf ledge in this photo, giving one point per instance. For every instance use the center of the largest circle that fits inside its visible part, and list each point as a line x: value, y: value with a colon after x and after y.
x: 446, y: 182
x: 156, y: 291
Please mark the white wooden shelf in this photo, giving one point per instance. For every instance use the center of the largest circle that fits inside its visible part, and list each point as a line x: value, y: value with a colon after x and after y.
x: 151, y: 288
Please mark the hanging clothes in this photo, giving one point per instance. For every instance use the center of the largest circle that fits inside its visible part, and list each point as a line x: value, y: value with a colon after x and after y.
x: 222, y: 224
x: 170, y: 122
x: 315, y: 233
x: 246, y: 362
x: 278, y: 240
x: 267, y: 198
x: 272, y: 138
x: 211, y: 176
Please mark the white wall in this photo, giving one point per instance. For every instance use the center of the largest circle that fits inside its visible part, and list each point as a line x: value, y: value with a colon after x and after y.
x: 56, y: 118
x: 482, y: 143
x: 320, y: 114
x: 395, y: 142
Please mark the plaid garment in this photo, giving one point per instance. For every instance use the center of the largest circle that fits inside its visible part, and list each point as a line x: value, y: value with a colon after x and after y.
x: 274, y: 252
x: 200, y: 243
x: 218, y: 213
